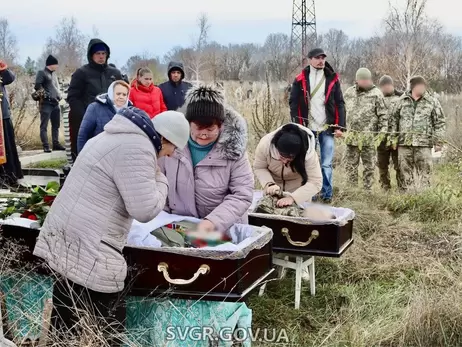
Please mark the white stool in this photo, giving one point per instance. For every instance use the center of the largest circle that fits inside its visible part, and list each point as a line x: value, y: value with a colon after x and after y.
x: 301, y: 263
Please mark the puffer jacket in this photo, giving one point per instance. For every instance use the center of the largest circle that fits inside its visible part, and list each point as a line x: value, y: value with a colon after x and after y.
x: 220, y: 187
x: 269, y: 169
x: 114, y: 180
x: 149, y: 99
x: 175, y: 93
x: 98, y: 114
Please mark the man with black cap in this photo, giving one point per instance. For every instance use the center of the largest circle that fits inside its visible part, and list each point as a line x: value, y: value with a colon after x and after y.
x: 418, y: 123
x: 316, y: 101
x: 87, y: 82
x: 47, y: 82
x: 385, y: 150
x: 175, y: 89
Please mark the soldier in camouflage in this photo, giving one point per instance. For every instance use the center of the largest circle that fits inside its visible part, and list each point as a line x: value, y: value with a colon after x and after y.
x: 419, y: 124
x: 366, y: 121
x: 385, y: 150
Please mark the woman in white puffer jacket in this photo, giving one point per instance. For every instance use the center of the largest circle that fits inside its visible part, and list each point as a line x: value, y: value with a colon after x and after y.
x: 114, y: 180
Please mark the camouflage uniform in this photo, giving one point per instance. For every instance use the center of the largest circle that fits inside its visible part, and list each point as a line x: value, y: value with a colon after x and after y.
x: 385, y: 152
x: 418, y: 126
x: 268, y: 204
x: 366, y: 116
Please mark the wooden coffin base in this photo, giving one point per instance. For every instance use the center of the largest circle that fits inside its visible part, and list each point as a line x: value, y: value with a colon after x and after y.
x: 211, y: 296
x: 317, y: 253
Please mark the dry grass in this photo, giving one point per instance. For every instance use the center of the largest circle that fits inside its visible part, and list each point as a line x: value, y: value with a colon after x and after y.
x: 400, y: 284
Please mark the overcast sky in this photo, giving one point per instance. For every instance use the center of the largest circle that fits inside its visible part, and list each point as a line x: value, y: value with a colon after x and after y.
x: 155, y: 26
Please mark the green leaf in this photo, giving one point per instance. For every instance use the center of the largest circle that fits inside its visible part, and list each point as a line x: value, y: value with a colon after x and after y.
x: 52, y: 187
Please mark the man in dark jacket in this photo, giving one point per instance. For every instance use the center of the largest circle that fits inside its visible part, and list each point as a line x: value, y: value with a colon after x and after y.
x: 47, y: 82
x: 316, y: 101
x: 175, y: 89
x: 87, y: 82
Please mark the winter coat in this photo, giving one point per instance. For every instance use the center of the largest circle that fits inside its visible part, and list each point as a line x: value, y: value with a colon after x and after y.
x: 149, y: 99
x: 7, y: 77
x: 299, y: 100
x: 114, y: 180
x: 174, y: 93
x: 89, y: 81
x: 98, y: 114
x: 269, y: 169
x: 220, y: 187
x: 47, y: 80
x: 419, y: 123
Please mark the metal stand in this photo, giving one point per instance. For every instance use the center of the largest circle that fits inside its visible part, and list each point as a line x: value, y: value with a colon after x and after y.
x: 301, y: 263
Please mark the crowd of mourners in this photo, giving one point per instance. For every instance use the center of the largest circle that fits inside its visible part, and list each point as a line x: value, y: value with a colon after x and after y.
x: 140, y: 149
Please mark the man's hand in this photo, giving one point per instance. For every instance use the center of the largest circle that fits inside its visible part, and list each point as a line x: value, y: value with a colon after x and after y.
x: 272, y: 190
x: 437, y: 148
x: 3, y: 65
x: 206, y: 225
x: 287, y: 201
x: 338, y: 133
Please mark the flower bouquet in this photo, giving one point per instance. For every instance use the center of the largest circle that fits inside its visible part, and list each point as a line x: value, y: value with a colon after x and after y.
x: 35, y: 206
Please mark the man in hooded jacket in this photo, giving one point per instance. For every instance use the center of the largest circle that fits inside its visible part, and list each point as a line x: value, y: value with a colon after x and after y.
x: 175, y: 89
x: 87, y: 82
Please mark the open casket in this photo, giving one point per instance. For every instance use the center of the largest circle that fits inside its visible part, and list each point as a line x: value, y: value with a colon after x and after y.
x: 297, y: 235
x: 224, y: 273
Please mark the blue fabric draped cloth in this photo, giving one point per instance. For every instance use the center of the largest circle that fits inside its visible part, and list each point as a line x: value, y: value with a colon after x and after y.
x: 150, y: 321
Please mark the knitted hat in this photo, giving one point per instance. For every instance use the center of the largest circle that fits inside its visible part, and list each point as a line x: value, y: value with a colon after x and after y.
x: 51, y: 61
x: 385, y: 80
x: 173, y: 126
x: 99, y: 47
x: 416, y: 80
x: 289, y: 144
x: 363, y: 74
x: 205, y: 105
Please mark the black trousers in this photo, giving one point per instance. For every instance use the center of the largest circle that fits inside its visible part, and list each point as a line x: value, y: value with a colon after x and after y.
x: 79, y: 312
x: 49, y: 112
x: 11, y: 171
x: 75, y: 120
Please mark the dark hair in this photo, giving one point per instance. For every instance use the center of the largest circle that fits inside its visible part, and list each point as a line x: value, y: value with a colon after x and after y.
x: 298, y: 163
x: 204, y: 122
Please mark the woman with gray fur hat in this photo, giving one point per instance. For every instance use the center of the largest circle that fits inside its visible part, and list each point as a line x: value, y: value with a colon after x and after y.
x: 211, y: 178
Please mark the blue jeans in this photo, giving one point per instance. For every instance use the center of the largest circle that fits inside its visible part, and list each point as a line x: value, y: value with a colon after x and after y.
x: 326, y: 142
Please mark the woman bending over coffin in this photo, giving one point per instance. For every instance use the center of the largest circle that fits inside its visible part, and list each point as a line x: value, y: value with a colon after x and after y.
x: 211, y: 178
x: 286, y: 161
x: 114, y: 180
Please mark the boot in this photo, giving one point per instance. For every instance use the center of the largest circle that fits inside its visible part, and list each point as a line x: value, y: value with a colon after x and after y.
x: 58, y: 147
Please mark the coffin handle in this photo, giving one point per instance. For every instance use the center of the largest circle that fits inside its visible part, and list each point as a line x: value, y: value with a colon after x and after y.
x: 163, y: 267
x: 314, y: 235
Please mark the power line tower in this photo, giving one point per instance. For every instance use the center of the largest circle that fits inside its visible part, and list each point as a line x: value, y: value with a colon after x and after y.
x: 303, y: 31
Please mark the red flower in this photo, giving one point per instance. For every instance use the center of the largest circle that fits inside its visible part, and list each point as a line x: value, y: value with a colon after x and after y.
x: 29, y: 215
x: 48, y: 199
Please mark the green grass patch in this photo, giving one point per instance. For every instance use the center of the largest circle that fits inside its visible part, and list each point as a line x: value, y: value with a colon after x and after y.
x: 49, y: 164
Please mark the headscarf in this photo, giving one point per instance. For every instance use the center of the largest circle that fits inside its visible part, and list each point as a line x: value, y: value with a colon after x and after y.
x: 110, y: 95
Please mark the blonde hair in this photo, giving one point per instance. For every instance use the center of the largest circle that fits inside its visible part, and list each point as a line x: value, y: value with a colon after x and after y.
x: 121, y: 83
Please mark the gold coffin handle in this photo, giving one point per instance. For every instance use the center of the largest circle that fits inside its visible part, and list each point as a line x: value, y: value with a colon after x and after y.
x: 163, y: 267
x: 314, y: 235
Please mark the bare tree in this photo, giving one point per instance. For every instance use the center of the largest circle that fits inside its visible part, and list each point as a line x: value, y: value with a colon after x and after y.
x: 409, y: 39
x: 8, y: 42
x: 198, y: 63
x: 278, y: 56
x: 335, y: 43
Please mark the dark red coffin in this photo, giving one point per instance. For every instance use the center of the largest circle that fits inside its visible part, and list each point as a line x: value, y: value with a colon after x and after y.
x: 293, y: 237
x: 154, y: 273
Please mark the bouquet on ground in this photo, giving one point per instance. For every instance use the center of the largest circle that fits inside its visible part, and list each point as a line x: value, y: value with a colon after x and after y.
x: 35, y: 206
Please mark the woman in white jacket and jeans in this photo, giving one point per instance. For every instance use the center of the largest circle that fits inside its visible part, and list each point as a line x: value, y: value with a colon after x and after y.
x: 114, y: 180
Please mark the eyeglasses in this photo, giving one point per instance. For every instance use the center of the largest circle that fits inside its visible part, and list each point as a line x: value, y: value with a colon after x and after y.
x: 205, y: 133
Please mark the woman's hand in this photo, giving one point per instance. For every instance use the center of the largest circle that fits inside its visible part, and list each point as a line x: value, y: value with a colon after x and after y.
x: 287, y: 201
x: 206, y: 225
x: 273, y: 189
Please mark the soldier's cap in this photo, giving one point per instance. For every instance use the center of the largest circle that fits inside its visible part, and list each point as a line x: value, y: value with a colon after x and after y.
x: 416, y: 80
x: 316, y: 52
x: 385, y: 80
